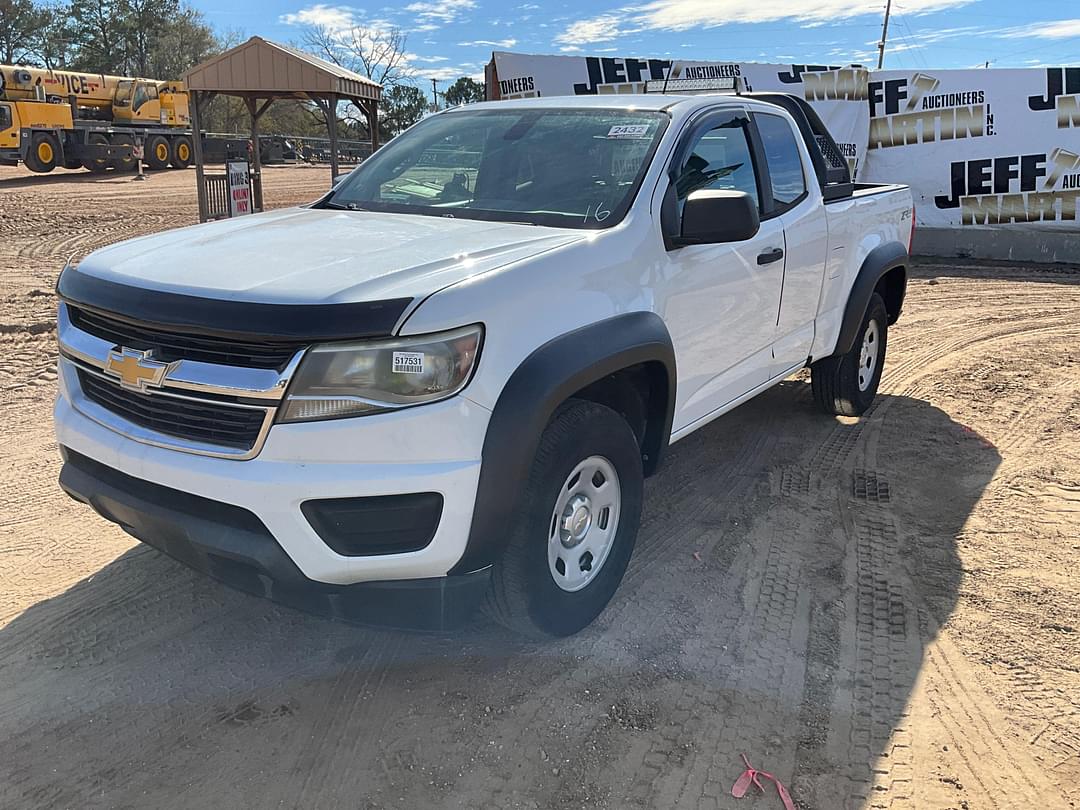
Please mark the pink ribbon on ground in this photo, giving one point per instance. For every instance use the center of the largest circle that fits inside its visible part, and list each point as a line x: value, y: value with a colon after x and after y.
x: 750, y: 777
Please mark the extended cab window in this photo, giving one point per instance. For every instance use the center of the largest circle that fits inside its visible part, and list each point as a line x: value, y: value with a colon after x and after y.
x: 784, y: 158
x: 719, y: 160
x: 546, y: 166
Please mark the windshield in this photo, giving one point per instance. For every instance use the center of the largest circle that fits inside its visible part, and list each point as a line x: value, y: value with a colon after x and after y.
x: 568, y: 168
x: 123, y: 93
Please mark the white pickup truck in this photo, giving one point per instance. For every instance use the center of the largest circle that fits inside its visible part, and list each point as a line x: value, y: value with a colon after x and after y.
x: 441, y: 385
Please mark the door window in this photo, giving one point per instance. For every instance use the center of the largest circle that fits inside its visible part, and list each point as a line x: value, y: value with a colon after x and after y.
x: 720, y: 159
x: 785, y: 161
x: 140, y: 97
x: 5, y: 117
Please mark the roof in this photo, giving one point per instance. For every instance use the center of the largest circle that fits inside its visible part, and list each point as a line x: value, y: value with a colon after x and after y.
x: 619, y: 101
x: 269, y: 68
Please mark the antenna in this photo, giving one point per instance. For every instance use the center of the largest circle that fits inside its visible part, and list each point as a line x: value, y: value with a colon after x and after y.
x: 884, y: 35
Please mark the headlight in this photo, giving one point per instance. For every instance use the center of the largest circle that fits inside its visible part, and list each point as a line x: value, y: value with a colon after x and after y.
x: 359, y: 378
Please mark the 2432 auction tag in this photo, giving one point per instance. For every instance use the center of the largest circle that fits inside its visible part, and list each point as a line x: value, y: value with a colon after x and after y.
x: 408, y: 362
x: 629, y: 131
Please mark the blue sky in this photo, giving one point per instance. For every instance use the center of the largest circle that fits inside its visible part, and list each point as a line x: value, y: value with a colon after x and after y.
x: 450, y: 38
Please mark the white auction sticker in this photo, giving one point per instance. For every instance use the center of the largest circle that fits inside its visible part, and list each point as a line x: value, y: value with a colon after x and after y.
x: 408, y: 362
x: 629, y: 131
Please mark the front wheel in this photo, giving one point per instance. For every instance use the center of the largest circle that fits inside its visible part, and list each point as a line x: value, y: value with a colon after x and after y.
x: 570, y: 543
x: 44, y: 153
x: 847, y: 384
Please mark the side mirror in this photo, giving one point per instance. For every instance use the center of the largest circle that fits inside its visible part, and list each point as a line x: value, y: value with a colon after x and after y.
x: 337, y: 180
x: 717, y: 215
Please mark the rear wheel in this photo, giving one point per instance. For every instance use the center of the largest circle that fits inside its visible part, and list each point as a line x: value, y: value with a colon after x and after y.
x: 846, y: 385
x: 126, y: 161
x: 43, y: 154
x: 181, y: 152
x: 569, y: 545
x: 96, y: 165
x: 158, y: 152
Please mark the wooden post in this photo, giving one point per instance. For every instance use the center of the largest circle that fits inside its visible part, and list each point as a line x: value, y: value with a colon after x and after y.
x: 197, y: 148
x: 331, y: 127
x: 256, y: 151
x: 373, y: 123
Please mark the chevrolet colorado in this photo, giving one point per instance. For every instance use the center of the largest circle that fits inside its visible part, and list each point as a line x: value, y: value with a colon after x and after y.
x: 441, y: 385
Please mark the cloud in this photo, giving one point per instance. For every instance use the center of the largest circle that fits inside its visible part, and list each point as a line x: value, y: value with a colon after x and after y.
x: 445, y: 11
x: 683, y: 15
x: 338, y: 20
x: 449, y: 74
x: 491, y: 43
x: 598, y: 29
x: 1048, y: 29
x: 335, y: 18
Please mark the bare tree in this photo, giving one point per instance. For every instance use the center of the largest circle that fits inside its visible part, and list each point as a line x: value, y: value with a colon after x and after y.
x: 377, y: 53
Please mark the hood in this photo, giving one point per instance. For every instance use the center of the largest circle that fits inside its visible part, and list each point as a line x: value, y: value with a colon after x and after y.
x: 320, y: 256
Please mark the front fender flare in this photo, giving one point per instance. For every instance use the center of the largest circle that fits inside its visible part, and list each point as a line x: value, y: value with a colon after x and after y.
x: 544, y: 380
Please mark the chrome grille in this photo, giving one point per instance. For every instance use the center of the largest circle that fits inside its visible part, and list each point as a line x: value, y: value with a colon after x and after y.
x: 228, y: 424
x: 170, y: 345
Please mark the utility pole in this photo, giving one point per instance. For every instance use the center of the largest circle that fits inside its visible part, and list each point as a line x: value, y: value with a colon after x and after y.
x: 434, y: 95
x: 884, y: 35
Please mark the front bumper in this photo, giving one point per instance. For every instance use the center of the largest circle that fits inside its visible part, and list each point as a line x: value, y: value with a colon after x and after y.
x: 434, y: 448
x: 231, y: 544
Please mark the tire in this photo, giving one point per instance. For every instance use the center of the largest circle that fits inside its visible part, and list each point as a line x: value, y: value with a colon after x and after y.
x: 127, y: 164
x: 847, y: 384
x: 181, y: 152
x: 96, y: 166
x: 159, y: 153
x: 44, y: 153
x: 529, y: 593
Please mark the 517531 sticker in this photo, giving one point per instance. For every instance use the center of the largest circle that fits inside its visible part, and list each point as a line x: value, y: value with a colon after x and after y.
x: 408, y: 362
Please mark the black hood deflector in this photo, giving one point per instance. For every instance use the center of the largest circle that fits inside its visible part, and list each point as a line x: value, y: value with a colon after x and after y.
x: 244, y: 320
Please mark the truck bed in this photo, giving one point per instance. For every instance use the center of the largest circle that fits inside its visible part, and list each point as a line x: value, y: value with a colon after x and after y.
x: 868, y: 190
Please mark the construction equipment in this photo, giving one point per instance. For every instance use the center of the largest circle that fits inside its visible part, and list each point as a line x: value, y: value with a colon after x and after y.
x: 51, y: 118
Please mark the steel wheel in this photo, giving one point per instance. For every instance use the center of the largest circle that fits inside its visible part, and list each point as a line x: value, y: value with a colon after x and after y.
x: 583, y: 523
x: 868, y: 355
x: 181, y: 152
x: 846, y: 384
x: 43, y: 154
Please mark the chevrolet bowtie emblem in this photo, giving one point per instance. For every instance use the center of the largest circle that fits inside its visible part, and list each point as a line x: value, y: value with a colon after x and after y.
x: 137, y: 370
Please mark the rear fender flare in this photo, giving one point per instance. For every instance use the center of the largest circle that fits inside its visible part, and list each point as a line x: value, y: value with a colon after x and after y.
x: 878, y: 262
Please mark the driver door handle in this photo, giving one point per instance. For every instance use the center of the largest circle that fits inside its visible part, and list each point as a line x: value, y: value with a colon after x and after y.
x: 770, y: 256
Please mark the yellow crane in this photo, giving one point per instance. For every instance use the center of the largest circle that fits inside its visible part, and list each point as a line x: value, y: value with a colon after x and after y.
x: 51, y: 118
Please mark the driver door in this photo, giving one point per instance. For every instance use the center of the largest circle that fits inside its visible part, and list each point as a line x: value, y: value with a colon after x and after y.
x: 720, y: 301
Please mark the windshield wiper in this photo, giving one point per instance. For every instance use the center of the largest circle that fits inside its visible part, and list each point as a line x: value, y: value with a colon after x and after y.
x: 346, y: 207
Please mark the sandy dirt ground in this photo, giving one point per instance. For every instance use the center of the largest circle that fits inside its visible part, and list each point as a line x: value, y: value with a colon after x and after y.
x: 884, y: 612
